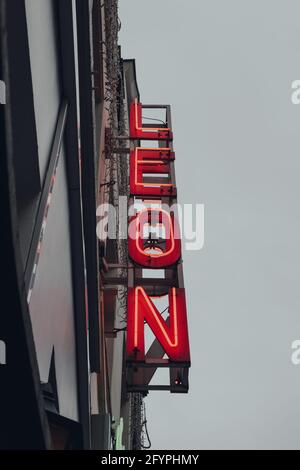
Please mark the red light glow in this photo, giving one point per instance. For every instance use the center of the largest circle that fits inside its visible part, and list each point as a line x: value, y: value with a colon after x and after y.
x: 137, y: 131
x: 172, y: 336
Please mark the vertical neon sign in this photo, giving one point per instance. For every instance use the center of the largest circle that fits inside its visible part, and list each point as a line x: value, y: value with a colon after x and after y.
x: 152, y: 179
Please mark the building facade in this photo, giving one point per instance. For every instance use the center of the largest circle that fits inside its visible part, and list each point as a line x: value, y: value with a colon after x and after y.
x: 66, y: 96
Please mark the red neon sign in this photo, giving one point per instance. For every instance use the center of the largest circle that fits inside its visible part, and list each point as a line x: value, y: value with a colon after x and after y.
x: 137, y: 131
x: 154, y: 162
x: 173, y: 336
x: 147, y: 252
x: 154, y: 242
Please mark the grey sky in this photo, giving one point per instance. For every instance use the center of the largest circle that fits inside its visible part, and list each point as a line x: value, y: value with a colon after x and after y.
x: 226, y: 68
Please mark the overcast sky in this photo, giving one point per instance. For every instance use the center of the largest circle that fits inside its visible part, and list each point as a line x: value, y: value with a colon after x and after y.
x: 226, y: 67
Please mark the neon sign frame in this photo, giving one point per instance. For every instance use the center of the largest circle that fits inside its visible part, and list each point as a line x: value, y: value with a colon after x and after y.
x: 152, y: 179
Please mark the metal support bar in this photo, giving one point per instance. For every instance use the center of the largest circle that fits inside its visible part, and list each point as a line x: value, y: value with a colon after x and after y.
x: 121, y: 150
x: 121, y: 137
x: 157, y: 363
x: 149, y: 388
x: 150, y: 282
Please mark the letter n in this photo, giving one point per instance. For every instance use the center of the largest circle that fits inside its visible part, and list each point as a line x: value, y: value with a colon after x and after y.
x: 172, y: 335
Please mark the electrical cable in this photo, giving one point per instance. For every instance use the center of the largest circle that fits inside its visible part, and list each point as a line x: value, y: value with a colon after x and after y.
x: 144, y: 424
x: 154, y: 119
